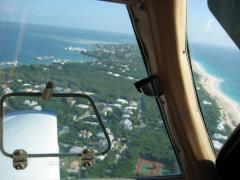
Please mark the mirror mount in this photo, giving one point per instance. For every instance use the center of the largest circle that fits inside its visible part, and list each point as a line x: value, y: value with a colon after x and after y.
x: 20, y: 159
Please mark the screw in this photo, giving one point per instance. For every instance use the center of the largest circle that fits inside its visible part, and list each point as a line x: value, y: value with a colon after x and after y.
x: 86, y: 151
x: 19, y: 166
x: 87, y: 164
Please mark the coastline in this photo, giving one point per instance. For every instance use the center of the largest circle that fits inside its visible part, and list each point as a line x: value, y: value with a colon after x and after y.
x: 230, y: 110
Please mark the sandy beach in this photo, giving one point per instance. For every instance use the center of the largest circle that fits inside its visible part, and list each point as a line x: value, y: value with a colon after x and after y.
x: 230, y: 110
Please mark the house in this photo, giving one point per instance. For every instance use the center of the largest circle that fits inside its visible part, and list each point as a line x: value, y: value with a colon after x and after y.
x: 127, y: 124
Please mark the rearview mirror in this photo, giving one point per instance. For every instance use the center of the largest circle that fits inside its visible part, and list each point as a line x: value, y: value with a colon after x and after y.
x: 67, y: 124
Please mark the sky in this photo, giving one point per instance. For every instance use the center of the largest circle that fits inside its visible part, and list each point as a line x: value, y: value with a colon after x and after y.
x: 203, y: 26
x: 98, y: 15
x: 86, y: 14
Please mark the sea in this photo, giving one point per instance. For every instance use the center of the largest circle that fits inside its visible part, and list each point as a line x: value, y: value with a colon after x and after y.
x: 221, y: 62
x: 26, y: 42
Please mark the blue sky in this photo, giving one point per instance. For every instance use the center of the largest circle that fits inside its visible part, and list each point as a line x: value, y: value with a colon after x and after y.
x: 203, y: 26
x: 87, y: 14
x: 97, y: 15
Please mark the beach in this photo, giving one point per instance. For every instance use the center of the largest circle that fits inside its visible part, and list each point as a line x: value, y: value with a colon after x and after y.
x: 230, y: 110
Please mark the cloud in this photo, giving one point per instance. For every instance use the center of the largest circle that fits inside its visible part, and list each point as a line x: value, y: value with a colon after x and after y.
x: 208, y: 24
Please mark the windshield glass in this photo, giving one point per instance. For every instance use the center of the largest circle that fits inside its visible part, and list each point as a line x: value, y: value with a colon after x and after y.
x: 85, y: 47
x: 215, y: 63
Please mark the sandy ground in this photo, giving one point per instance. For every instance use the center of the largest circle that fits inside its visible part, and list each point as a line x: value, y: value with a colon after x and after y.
x: 230, y: 110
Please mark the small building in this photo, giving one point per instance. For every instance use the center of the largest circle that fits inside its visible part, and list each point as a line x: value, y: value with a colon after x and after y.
x: 30, y: 103
x: 126, y: 116
x: 106, y: 110
x: 85, y: 134
x: 122, y: 101
x: 133, y: 103
x: 127, y: 124
x: 7, y: 90
x: 117, y: 105
x: 38, y: 108
x: 76, y: 149
x: 82, y: 106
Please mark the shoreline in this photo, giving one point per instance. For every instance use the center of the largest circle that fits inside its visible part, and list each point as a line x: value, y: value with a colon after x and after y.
x: 229, y: 109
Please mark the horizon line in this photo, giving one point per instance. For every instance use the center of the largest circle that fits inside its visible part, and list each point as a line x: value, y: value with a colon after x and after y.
x: 68, y: 27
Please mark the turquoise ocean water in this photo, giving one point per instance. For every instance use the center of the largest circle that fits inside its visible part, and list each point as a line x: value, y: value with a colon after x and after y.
x: 25, y: 42
x: 222, y: 62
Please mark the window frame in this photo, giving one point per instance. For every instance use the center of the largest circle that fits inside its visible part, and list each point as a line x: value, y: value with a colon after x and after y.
x: 159, y: 104
x: 198, y: 99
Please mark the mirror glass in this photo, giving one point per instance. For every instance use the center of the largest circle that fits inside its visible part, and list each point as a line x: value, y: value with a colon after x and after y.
x: 59, y: 125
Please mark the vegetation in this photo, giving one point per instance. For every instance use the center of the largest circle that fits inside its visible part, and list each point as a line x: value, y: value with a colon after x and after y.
x: 211, y: 114
x: 109, y: 81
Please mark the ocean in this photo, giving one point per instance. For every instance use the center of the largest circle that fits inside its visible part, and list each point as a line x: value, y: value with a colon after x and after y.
x: 222, y: 62
x: 26, y: 42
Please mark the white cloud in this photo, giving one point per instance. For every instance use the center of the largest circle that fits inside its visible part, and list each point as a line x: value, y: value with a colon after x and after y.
x: 208, y: 24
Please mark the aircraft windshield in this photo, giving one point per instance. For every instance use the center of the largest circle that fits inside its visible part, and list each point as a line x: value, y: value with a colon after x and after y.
x: 215, y: 62
x: 83, y: 47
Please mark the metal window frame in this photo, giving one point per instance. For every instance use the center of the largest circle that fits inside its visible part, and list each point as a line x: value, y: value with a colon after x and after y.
x: 159, y: 101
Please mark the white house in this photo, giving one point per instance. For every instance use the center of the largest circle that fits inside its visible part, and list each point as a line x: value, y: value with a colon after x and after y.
x: 127, y: 124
